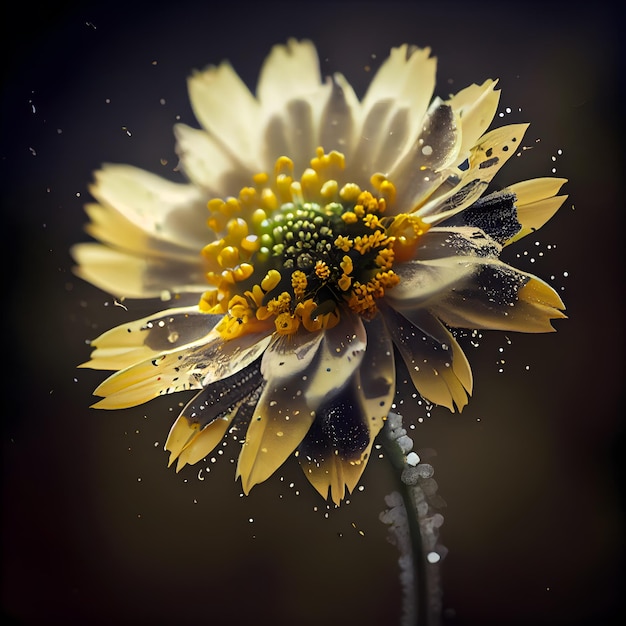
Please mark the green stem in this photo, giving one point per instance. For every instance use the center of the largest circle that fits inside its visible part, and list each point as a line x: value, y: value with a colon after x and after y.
x: 421, y: 599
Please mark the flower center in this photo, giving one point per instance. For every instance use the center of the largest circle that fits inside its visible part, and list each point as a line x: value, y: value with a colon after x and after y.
x: 295, y: 252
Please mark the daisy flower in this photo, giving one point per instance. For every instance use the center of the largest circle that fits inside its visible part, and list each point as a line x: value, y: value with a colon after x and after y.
x: 319, y: 239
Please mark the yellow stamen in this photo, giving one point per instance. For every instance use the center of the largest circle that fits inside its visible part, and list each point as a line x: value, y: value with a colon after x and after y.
x: 271, y: 280
x: 299, y: 284
x: 343, y: 243
x: 344, y: 282
x: 286, y: 324
x: 280, y: 218
x: 321, y: 270
x: 371, y: 221
x: 386, y: 189
x: 349, y: 193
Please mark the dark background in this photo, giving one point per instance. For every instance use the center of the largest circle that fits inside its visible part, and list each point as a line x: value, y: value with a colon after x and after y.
x: 96, y: 529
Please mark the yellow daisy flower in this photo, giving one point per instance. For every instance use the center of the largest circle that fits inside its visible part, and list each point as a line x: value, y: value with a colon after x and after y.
x: 319, y: 238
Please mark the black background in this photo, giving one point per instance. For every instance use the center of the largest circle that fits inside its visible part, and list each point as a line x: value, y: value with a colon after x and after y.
x: 96, y: 529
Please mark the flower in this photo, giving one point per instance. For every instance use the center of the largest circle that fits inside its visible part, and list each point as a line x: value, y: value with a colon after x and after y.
x: 319, y: 238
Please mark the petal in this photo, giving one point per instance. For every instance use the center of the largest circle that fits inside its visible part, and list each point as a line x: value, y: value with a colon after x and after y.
x: 445, y: 259
x: 146, y: 338
x: 282, y: 417
x: 461, y: 369
x: 340, y: 354
x: 406, y: 77
x: 293, y: 100
x: 475, y: 105
x: 288, y: 354
x: 292, y: 131
x: 225, y: 107
x: 337, y: 123
x: 289, y: 72
x: 371, y: 134
x: 429, y: 359
x: 115, y: 230
x: 536, y: 203
x: 203, y: 422
x: 492, y: 151
x: 127, y: 276
x: 422, y: 169
x: 191, y: 367
x: 331, y: 456
x: 166, y: 211
x: 377, y: 374
x: 495, y: 215
x: 500, y: 297
x: 334, y: 452
x: 207, y: 164
x: 303, y: 371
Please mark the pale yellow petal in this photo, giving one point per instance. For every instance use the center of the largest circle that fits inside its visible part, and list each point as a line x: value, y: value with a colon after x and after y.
x: 424, y: 166
x: 278, y: 425
x: 167, y: 211
x: 146, y: 338
x: 392, y: 111
x: 430, y: 352
x: 127, y: 276
x: 517, y: 301
x: 188, y: 445
x: 476, y: 106
x: 486, y: 158
x: 335, y: 452
x: 192, y: 367
x: 208, y: 164
x: 340, y: 354
x: 225, y: 107
x: 290, y: 71
x: 282, y: 417
x: 536, y: 203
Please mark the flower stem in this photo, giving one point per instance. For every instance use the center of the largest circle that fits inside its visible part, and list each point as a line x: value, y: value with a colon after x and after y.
x: 414, y: 527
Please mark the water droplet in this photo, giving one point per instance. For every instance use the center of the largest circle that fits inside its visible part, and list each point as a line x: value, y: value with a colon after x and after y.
x: 412, y: 458
x: 433, y: 557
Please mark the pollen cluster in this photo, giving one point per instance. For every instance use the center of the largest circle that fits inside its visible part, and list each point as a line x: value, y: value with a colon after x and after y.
x: 296, y: 251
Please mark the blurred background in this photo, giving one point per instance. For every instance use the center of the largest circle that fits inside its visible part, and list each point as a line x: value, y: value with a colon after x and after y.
x: 97, y: 530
